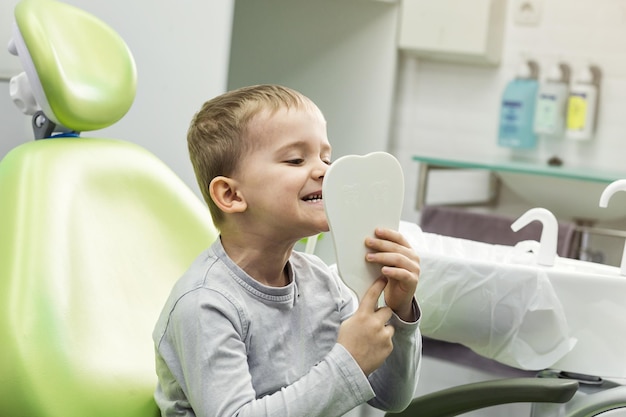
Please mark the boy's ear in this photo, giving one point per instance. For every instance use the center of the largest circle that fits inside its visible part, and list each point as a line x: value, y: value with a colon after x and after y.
x: 226, y: 196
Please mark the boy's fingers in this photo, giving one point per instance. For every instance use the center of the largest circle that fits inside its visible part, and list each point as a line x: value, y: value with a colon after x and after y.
x: 371, y: 296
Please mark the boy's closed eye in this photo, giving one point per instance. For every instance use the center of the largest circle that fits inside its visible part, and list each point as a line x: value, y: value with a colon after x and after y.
x: 300, y: 161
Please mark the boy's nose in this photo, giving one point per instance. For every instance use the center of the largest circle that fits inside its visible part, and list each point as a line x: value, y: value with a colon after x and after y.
x: 320, y: 170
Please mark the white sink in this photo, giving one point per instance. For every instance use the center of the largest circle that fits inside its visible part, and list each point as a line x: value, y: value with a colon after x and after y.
x: 593, y: 297
x: 501, y: 304
x: 566, y: 198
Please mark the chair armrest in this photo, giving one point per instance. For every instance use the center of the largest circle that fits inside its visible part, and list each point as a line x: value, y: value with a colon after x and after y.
x: 591, y: 405
x: 464, y: 398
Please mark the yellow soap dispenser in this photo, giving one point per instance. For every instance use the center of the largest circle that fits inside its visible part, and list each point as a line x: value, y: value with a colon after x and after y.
x: 582, y: 104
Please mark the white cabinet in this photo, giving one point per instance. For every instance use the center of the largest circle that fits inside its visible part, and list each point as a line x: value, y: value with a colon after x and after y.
x: 467, y: 31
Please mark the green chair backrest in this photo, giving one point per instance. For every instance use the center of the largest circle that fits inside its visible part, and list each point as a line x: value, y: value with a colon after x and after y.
x: 93, y: 234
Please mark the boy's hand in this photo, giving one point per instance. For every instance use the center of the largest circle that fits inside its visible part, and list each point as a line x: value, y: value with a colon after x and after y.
x: 366, y: 334
x: 401, y: 267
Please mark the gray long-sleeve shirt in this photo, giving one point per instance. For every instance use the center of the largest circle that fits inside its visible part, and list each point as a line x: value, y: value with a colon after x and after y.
x: 227, y: 345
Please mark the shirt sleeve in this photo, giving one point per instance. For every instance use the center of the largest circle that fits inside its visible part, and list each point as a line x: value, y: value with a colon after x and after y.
x: 396, y: 380
x: 204, y: 349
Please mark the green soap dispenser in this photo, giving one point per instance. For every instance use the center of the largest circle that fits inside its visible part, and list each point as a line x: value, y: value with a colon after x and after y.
x: 551, y: 108
x: 517, y: 110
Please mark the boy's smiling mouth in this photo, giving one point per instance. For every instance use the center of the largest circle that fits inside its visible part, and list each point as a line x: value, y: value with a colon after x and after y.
x: 313, y: 198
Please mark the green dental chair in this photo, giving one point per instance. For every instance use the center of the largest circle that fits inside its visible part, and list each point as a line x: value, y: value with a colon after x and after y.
x: 94, y: 232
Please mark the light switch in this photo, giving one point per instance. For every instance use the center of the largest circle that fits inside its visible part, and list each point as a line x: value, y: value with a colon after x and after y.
x: 528, y: 12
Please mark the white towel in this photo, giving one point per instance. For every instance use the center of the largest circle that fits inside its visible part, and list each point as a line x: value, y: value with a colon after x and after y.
x: 493, y: 228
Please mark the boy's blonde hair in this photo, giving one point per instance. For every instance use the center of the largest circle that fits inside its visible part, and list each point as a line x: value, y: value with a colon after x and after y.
x: 218, y: 135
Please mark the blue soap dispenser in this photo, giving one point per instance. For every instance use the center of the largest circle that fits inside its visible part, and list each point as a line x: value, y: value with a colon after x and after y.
x: 517, y: 112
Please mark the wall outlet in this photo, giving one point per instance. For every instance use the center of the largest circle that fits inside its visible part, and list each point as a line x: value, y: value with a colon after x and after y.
x: 528, y: 12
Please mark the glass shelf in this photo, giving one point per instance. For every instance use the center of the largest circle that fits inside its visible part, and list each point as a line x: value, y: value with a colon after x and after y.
x: 506, y: 164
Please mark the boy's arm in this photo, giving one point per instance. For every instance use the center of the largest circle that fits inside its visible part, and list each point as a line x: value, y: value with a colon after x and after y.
x: 212, y: 369
x: 393, y: 369
x: 396, y: 380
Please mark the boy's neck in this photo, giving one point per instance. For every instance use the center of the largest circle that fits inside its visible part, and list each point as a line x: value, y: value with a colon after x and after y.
x: 264, y: 261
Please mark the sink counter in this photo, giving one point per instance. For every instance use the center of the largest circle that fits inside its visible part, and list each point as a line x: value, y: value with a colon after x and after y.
x: 570, y: 192
x: 521, y: 166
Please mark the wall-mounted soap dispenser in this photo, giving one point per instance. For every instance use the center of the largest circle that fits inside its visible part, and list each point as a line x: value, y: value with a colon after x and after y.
x: 582, y: 105
x: 551, y: 109
x: 517, y: 110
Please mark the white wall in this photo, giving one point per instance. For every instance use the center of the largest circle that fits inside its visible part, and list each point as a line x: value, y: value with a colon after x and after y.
x: 14, y: 127
x: 181, y: 50
x: 340, y: 53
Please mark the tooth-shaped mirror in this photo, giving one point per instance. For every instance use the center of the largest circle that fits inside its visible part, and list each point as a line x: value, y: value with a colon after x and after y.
x: 361, y: 193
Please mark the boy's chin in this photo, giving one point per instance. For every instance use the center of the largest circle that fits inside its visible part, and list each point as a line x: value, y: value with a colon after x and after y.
x: 325, y: 228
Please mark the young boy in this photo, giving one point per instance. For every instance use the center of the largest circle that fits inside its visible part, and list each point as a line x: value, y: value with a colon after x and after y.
x: 254, y: 328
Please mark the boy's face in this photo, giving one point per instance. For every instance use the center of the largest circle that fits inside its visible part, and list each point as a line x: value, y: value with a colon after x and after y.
x: 281, y: 176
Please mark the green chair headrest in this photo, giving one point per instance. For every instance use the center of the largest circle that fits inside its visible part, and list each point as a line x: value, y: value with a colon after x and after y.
x: 81, y: 71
